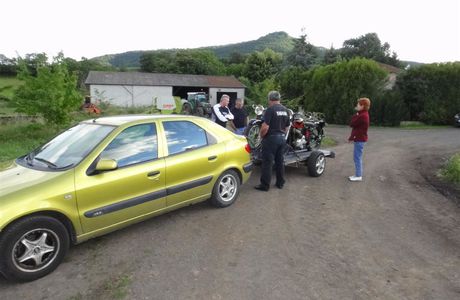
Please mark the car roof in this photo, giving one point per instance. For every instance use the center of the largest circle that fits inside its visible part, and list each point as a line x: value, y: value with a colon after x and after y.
x: 125, y: 119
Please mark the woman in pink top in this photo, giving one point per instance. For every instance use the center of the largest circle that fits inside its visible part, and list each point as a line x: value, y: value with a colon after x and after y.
x: 359, y: 124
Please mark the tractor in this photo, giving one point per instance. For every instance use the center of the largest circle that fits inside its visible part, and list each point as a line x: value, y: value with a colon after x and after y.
x: 197, y: 103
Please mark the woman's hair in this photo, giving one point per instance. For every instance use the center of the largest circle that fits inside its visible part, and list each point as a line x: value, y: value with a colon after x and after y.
x: 365, y: 102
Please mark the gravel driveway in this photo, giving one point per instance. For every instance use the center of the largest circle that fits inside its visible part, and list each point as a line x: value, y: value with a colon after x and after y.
x: 396, y: 235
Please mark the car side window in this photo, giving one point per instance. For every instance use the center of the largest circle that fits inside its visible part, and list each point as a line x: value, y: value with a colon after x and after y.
x: 182, y: 136
x: 133, y: 145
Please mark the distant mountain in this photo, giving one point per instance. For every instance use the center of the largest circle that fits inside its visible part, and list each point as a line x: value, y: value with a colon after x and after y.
x: 277, y: 41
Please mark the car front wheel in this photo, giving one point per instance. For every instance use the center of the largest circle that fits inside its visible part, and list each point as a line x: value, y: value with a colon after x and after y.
x: 32, y: 248
x: 226, y: 189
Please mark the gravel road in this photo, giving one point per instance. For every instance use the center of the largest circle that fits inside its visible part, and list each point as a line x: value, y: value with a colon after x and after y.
x: 396, y: 235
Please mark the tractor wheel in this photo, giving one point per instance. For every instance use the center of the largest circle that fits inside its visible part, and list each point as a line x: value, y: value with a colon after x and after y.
x: 187, y: 109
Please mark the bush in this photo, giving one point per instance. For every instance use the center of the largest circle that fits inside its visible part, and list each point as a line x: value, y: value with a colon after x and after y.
x: 51, y: 93
x: 451, y: 170
x: 431, y: 92
x: 388, y: 110
x: 334, y: 89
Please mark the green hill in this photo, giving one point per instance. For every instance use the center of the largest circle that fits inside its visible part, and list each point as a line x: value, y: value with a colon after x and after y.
x: 277, y: 41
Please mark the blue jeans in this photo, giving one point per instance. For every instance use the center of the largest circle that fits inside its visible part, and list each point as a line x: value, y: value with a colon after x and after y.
x: 358, y: 158
x: 240, y: 131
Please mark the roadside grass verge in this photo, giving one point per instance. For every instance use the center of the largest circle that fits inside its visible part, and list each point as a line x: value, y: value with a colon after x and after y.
x: 422, y: 126
x: 451, y: 170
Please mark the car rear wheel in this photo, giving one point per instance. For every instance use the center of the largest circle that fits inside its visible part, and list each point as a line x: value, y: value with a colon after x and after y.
x: 226, y: 189
x: 32, y: 248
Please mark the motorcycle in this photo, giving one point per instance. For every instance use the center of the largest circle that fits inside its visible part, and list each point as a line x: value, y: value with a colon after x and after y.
x: 303, y: 140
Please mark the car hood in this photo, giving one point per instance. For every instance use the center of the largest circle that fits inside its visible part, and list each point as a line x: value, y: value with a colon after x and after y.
x: 17, y: 177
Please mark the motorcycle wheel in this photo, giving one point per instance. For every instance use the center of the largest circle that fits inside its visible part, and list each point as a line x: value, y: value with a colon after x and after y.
x: 316, y: 139
x: 252, y: 134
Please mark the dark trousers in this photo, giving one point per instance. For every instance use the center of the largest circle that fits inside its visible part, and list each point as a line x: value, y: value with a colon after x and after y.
x: 272, y: 151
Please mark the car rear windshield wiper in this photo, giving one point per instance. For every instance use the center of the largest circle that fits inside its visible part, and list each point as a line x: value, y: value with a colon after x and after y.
x: 48, y: 163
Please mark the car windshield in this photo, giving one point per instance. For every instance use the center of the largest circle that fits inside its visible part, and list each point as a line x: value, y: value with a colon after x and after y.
x: 70, y: 147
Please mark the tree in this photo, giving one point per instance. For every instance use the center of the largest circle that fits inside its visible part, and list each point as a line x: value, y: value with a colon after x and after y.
x: 331, y: 56
x: 200, y: 62
x: 260, y: 66
x: 8, y: 66
x: 51, y: 92
x: 257, y: 91
x: 303, y: 54
x: 369, y: 46
x: 158, y: 62
x: 292, y: 82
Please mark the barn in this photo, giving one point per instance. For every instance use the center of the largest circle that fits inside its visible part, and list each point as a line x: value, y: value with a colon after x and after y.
x: 129, y: 89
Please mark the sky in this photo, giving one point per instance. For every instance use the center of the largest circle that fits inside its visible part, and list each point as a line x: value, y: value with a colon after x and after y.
x: 424, y: 31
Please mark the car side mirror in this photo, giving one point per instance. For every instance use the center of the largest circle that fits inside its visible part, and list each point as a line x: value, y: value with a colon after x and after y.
x: 106, y: 165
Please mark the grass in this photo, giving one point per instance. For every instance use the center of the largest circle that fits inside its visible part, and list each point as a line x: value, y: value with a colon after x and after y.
x: 118, y: 287
x: 7, y: 87
x: 19, y: 139
x: 328, y: 142
x: 8, y: 84
x: 451, y: 170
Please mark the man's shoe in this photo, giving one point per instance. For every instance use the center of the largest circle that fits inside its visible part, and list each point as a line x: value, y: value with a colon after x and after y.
x: 355, y: 178
x: 261, y: 187
x: 280, y: 186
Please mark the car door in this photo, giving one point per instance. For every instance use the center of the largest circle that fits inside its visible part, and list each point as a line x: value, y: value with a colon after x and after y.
x: 134, y: 189
x: 193, y: 163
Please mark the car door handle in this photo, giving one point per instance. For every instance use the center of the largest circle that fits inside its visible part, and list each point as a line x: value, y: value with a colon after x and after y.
x: 213, y: 157
x: 154, y: 173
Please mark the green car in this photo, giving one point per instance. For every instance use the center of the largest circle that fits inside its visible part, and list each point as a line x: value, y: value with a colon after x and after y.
x: 107, y: 173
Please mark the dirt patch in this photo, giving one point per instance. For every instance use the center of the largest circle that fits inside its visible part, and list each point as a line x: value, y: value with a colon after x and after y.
x: 430, y: 168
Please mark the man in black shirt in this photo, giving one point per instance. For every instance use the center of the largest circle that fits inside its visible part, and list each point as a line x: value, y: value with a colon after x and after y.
x: 272, y: 132
x: 241, y: 116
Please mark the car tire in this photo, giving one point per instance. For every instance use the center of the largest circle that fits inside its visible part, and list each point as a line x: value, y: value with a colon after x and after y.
x: 32, y: 248
x: 316, y: 164
x: 226, y: 189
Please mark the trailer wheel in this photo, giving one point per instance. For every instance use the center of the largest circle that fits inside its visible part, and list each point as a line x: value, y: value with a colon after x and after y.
x: 316, y: 164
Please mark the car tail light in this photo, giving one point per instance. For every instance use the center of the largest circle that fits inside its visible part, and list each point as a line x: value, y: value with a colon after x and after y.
x: 247, y: 148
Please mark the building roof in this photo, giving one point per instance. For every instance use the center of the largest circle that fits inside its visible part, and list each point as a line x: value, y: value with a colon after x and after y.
x: 161, y: 79
x: 389, y: 68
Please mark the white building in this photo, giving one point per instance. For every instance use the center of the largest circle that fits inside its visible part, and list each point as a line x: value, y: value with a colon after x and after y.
x: 140, y: 89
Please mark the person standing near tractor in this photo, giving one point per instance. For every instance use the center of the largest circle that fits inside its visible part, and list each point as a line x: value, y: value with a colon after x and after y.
x: 221, y: 113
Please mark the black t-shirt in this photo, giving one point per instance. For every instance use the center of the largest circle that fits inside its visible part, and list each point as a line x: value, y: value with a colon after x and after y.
x: 277, y: 118
x: 240, y: 115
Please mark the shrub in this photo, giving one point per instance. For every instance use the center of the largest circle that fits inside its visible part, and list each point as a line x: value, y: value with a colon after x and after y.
x: 451, y: 170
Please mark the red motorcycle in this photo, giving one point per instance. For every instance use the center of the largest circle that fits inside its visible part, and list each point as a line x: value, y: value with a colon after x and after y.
x: 303, y: 140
